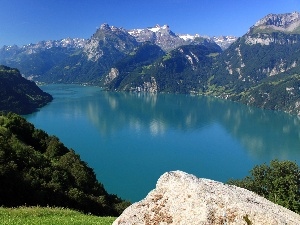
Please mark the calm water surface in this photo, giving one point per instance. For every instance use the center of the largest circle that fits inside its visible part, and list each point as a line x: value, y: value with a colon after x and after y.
x: 131, y: 139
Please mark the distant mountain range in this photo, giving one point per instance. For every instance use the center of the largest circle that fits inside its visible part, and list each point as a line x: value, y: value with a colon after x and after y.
x: 261, y: 68
x: 84, y: 60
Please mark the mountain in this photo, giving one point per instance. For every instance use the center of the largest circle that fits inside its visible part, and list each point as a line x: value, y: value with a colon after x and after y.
x: 287, y: 23
x: 182, y: 70
x: 130, y: 68
x: 110, y: 46
x: 18, y: 94
x: 108, y: 39
x: 161, y: 36
x: 168, y: 40
x: 85, y: 61
x: 34, y: 60
x: 224, y: 41
x: 262, y: 67
x: 106, y: 47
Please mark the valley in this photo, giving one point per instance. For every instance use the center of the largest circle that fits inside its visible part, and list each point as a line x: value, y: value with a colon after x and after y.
x: 261, y: 68
x: 135, y: 103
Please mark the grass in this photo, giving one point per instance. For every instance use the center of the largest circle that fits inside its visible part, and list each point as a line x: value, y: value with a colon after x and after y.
x: 49, y: 216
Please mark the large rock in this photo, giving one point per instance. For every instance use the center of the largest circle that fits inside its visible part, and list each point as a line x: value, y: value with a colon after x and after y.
x: 181, y: 198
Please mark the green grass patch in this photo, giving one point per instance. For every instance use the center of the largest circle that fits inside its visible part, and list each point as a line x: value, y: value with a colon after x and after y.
x: 49, y: 216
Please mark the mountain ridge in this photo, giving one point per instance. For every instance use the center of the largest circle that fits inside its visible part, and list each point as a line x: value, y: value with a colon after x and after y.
x: 80, y: 42
x: 287, y: 22
x: 260, y: 68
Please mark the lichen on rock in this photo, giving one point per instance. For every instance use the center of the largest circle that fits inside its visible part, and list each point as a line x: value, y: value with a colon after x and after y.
x: 181, y: 198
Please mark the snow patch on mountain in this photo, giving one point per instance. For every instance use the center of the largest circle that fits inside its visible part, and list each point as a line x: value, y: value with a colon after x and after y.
x: 187, y: 37
x: 157, y: 28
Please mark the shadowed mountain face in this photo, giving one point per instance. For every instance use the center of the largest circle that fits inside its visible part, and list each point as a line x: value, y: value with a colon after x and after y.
x: 18, y: 94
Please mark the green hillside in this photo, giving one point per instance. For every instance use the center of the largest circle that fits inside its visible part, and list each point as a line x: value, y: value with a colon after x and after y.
x: 18, y: 94
x: 182, y: 70
x: 37, y: 169
x: 262, y: 75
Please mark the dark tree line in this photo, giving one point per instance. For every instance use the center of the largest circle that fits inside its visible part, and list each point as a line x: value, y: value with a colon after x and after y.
x: 278, y: 182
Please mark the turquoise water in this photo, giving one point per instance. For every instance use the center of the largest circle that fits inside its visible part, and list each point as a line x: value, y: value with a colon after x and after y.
x: 131, y: 139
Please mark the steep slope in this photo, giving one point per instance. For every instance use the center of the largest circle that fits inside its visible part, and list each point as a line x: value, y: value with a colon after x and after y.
x: 182, y: 70
x: 37, y: 169
x: 18, y: 94
x: 159, y: 35
x: 110, y: 46
x: 129, y: 68
x: 262, y: 67
x: 106, y: 47
x: 224, y: 41
x: 165, y: 38
x: 287, y: 23
x: 34, y: 60
x: 84, y: 61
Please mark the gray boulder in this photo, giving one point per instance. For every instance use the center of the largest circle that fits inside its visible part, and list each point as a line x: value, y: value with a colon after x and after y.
x: 181, y: 198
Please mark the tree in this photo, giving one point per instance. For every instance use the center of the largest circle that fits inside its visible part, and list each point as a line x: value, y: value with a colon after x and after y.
x: 33, y: 162
x: 279, y: 182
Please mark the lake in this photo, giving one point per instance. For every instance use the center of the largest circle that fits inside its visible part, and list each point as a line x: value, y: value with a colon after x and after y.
x: 130, y: 139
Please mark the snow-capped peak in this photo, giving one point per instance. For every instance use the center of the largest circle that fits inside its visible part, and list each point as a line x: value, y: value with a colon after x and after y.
x: 158, y: 27
x: 135, y: 31
x: 187, y: 37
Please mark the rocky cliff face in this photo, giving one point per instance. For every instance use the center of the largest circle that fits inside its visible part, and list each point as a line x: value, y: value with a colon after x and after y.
x: 181, y: 198
x: 168, y: 40
x: 266, y: 50
x: 288, y: 22
x: 12, y: 51
x: 159, y: 35
x: 265, y: 31
x: 224, y: 41
x: 60, y: 60
x: 109, y: 40
x: 34, y: 60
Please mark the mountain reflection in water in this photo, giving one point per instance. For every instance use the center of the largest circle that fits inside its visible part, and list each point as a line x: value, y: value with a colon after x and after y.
x: 130, y: 139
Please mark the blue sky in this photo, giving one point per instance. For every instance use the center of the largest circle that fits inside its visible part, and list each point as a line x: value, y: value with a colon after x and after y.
x: 30, y: 21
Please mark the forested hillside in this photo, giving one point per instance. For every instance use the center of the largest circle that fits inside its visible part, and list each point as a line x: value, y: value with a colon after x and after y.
x: 37, y: 169
x: 262, y: 67
x: 183, y: 70
x: 18, y: 94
